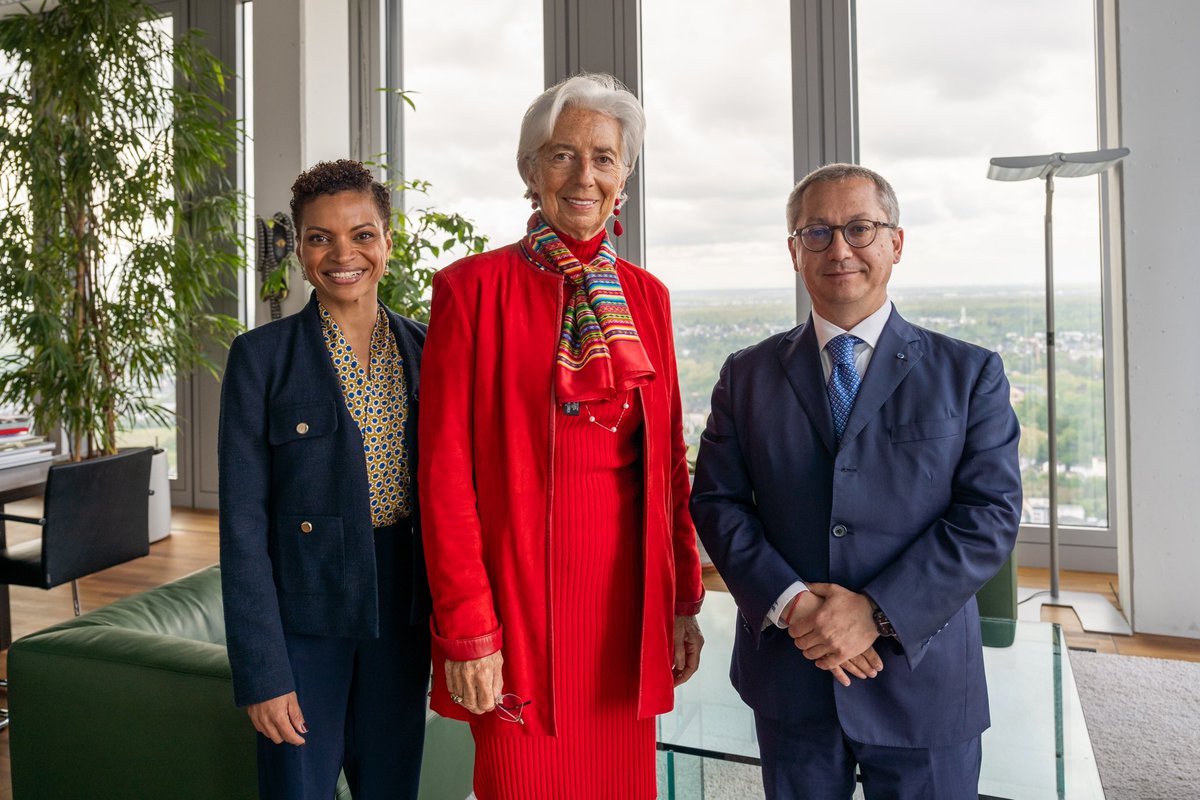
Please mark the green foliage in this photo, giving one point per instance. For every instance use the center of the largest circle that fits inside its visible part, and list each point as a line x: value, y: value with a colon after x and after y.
x: 419, y: 237
x: 118, y: 231
x: 276, y: 283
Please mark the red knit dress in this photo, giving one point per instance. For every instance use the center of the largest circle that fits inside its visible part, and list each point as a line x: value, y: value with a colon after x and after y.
x: 602, y: 750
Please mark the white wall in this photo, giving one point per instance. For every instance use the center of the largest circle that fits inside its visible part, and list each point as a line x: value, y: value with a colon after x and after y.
x: 302, y: 102
x: 1160, y: 119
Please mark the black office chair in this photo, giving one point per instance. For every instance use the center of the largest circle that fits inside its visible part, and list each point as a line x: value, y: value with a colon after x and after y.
x: 96, y: 515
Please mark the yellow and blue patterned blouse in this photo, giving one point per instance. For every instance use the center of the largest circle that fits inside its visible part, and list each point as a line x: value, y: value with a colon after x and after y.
x: 378, y: 402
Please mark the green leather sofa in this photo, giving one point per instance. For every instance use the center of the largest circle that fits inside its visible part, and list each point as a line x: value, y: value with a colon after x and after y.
x: 998, y: 597
x: 134, y: 700
x: 998, y: 605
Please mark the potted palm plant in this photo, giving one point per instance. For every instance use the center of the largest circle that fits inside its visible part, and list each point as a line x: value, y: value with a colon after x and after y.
x: 118, y: 229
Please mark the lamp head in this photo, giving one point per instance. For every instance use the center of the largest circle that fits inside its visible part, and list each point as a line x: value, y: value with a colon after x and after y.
x: 1060, y: 165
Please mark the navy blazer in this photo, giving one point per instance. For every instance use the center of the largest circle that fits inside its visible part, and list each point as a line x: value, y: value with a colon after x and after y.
x: 918, y: 508
x: 297, y: 542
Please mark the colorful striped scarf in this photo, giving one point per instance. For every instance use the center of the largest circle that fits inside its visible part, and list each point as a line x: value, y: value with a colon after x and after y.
x: 599, y: 351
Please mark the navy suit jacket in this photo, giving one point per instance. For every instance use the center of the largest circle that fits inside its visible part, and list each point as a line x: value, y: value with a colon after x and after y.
x: 918, y: 508
x: 290, y: 454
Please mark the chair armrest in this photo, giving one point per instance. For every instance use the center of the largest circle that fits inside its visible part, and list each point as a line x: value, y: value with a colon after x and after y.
x: 19, y: 518
x: 189, y: 608
x: 126, y: 649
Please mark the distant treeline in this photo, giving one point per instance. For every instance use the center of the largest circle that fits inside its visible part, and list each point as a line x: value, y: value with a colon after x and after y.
x: 709, y: 325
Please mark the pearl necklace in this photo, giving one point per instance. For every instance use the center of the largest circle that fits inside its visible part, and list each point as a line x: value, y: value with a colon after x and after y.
x: 613, y: 429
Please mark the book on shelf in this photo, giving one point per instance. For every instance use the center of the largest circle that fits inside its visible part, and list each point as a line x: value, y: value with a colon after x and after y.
x: 19, y: 445
x: 15, y: 425
x: 18, y: 458
x: 22, y: 452
x: 21, y: 441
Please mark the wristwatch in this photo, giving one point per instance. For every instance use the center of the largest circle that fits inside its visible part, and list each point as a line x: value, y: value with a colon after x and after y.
x: 882, y: 623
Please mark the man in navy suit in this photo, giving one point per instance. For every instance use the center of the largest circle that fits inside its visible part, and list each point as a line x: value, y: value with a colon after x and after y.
x: 856, y: 485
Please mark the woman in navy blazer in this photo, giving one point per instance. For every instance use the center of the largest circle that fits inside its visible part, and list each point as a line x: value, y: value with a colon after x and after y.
x: 326, y: 603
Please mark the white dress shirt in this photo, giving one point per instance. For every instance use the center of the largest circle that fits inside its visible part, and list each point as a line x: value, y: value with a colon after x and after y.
x: 868, y: 331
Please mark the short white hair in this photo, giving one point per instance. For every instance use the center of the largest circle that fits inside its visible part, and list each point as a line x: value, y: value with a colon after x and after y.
x: 589, y: 91
x: 834, y: 173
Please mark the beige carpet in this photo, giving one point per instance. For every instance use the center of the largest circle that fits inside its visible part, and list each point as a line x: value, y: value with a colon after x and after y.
x: 1143, y: 717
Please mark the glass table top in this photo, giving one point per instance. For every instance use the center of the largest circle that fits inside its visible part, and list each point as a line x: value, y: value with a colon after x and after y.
x: 1037, y: 747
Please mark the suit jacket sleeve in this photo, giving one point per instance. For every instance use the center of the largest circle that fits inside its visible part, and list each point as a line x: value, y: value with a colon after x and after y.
x: 942, y: 569
x: 254, y: 629
x: 724, y: 510
x: 464, y: 620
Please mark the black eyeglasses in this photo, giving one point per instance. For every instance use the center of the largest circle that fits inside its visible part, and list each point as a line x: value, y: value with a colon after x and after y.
x: 856, y: 232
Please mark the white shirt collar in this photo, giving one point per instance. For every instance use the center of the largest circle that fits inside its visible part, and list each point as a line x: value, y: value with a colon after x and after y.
x: 869, y: 330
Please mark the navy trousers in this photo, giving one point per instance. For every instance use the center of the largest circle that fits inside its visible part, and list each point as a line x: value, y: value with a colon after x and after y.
x: 363, y: 700
x: 817, y: 762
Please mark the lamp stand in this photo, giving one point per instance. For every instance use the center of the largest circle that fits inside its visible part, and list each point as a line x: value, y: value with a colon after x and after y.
x: 1095, y: 613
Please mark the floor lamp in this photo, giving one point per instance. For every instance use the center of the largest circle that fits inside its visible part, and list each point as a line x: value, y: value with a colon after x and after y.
x: 1094, y: 611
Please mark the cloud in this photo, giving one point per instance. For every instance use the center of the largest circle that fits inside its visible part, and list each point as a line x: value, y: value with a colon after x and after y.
x: 473, y: 83
x: 940, y: 93
x: 718, y: 162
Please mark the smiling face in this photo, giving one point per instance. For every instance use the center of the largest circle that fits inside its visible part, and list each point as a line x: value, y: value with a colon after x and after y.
x: 579, y: 173
x: 847, y: 284
x: 344, y: 247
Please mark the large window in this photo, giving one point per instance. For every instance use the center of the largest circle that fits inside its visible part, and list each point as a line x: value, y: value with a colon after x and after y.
x: 7, y: 68
x: 145, y: 430
x: 248, y: 290
x: 933, y: 103
x: 717, y: 169
x: 936, y: 102
x: 472, y: 73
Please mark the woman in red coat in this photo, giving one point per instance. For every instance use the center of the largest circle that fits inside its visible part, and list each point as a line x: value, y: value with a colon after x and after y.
x: 553, y: 484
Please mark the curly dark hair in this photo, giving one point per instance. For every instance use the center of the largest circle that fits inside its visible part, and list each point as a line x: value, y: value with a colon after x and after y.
x: 331, y: 177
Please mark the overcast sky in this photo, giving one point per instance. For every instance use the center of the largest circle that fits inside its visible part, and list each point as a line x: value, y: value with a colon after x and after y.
x: 475, y: 71
x: 943, y: 86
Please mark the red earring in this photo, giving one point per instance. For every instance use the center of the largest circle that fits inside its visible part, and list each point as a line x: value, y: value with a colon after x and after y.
x: 618, y: 228
x: 536, y: 217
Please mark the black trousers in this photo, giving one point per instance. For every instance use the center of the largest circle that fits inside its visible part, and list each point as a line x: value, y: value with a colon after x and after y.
x: 817, y: 762
x: 363, y: 700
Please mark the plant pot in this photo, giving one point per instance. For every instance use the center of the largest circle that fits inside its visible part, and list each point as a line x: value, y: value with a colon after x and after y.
x: 160, y: 497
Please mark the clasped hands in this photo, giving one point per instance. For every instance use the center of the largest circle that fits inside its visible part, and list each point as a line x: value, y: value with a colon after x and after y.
x: 834, y: 628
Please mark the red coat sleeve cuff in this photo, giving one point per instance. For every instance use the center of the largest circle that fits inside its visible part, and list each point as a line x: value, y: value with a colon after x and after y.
x: 469, y: 649
x: 689, y: 608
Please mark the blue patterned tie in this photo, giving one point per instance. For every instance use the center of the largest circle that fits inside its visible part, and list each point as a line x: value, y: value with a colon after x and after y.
x: 843, y: 380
